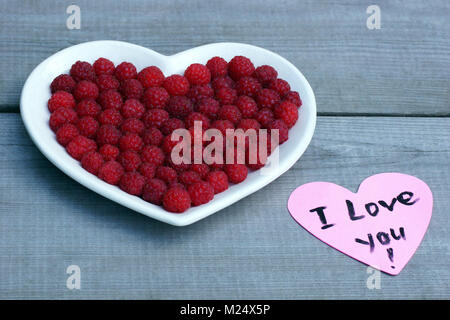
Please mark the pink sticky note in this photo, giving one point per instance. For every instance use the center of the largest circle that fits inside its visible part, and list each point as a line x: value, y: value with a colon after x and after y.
x: 381, y: 225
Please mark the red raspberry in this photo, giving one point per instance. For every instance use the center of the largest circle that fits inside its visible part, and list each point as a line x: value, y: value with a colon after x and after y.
x: 170, y: 125
x: 110, y: 99
x: 222, y: 126
x: 189, y: 177
x: 103, y: 66
x: 246, y: 124
x: 108, y: 134
x: 151, y: 77
x: 63, y: 82
x: 110, y: 116
x: 265, y: 74
x: 176, y: 85
x: 198, y: 92
x: 226, y: 95
x: 154, y: 191
x: 248, y: 86
x: 148, y: 170
x: 201, y: 168
x: 155, y: 98
x: 111, y: 172
x: 155, y: 117
x: 209, y: 107
x: 131, y: 141
x: 283, y: 130
x: 66, y: 133
x: 281, y: 86
x: 236, y: 172
x: 85, y: 90
x: 153, y: 136
x: 130, y: 160
x: 168, y: 144
x: 239, y: 67
x: 109, y: 152
x: 82, y: 70
x: 268, y: 98
x: 79, y: 146
x: 201, y: 192
x: 92, y: 162
x: 152, y: 154
x: 258, y: 164
x: 62, y: 116
x: 196, y: 116
x: 125, y: 71
x: 264, y: 117
x: 179, y: 168
x: 218, y: 180
x: 107, y: 82
x: 132, y: 125
x: 231, y: 113
x: 179, y: 107
x: 197, y: 73
x: 294, y: 97
x: 60, y: 99
x: 132, y: 89
x: 287, y: 111
x: 247, y: 106
x: 133, y: 108
x: 222, y: 82
x: 132, y: 183
x: 88, y: 126
x: 217, y: 66
x: 176, y: 200
x: 88, y: 107
x: 166, y: 174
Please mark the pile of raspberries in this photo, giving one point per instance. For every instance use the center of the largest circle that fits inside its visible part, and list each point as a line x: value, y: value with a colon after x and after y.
x: 118, y: 122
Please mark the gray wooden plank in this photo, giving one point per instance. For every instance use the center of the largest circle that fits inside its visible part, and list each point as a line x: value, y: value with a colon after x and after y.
x: 400, y: 69
x: 253, y: 249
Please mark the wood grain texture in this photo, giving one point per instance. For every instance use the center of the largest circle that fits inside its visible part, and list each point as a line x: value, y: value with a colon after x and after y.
x: 253, y: 249
x: 398, y: 70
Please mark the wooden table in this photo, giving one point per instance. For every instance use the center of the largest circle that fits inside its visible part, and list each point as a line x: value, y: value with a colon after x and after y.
x: 383, y: 105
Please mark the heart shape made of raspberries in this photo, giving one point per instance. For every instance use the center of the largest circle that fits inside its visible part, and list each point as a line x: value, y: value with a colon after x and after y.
x: 109, y: 151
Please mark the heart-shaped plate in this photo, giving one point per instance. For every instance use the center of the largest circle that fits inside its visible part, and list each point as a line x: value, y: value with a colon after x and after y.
x: 35, y: 115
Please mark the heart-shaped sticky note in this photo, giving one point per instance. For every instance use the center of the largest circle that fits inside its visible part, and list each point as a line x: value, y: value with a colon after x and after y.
x: 35, y: 115
x: 382, y: 225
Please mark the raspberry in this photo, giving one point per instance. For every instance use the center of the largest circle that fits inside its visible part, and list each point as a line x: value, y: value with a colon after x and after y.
x: 170, y: 125
x: 110, y: 99
x: 239, y: 67
x: 209, y: 107
x: 82, y: 70
x: 152, y: 154
x: 283, y: 130
x: 63, y: 82
x: 110, y: 116
x: 132, y: 108
x: 197, y: 73
x: 196, y: 116
x: 88, y: 126
x: 130, y: 160
x: 294, y: 97
x: 103, y: 66
x: 148, y: 170
x: 109, y: 152
x: 132, y: 183
x: 154, y: 191
x: 88, y: 107
x: 179, y: 107
x: 85, y: 90
x: 222, y: 126
x: 168, y: 144
x: 218, y: 180
x: 268, y: 98
x: 247, y: 106
x: 155, y: 98
x: 66, y: 133
x: 246, y: 124
x: 217, y: 66
x: 62, y: 116
x: 60, y: 99
x: 132, y: 125
x: 155, y: 117
x: 201, y: 192
x: 79, y: 146
x: 236, y: 172
x: 265, y: 74
x: 153, y: 136
x: 131, y: 141
x: 201, y: 168
x: 176, y: 200
x: 125, y: 71
x: 176, y: 85
x: 264, y: 117
x: 179, y: 168
x: 198, y: 92
x: 108, y: 134
x: 92, y: 162
x: 111, y: 172
x: 132, y: 89
x: 226, y: 95
x: 151, y: 77
x: 287, y: 111
x: 231, y: 113
x: 222, y: 82
x: 281, y: 86
x: 107, y: 82
x: 248, y: 86
x: 189, y: 177
x: 166, y: 174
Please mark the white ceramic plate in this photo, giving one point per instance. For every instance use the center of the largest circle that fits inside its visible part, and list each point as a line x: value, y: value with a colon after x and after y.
x: 35, y: 115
